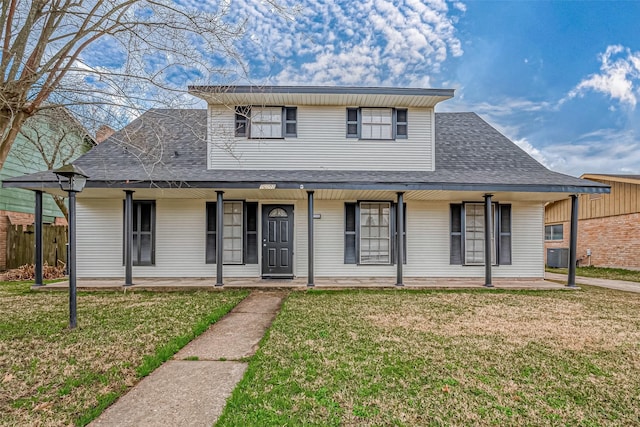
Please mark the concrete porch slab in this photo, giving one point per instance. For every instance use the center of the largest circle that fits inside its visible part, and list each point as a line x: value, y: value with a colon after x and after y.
x: 300, y: 283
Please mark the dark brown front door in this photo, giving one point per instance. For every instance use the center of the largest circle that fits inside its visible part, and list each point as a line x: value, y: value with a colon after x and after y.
x: 277, y: 241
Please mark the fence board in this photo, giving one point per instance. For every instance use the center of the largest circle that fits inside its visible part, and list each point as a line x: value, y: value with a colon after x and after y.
x: 21, y: 245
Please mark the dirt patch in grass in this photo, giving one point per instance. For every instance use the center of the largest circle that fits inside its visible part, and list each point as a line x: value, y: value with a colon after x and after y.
x: 563, y: 324
x: 446, y: 358
x: 50, y: 375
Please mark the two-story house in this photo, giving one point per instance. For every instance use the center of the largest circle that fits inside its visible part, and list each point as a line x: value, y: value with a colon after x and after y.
x: 298, y: 181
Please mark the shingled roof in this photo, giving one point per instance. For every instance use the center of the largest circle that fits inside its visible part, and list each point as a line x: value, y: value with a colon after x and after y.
x: 167, y: 148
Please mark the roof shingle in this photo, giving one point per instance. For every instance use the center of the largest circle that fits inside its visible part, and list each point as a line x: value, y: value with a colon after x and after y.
x: 168, y: 148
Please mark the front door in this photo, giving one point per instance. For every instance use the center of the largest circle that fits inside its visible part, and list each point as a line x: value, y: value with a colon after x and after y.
x: 277, y: 241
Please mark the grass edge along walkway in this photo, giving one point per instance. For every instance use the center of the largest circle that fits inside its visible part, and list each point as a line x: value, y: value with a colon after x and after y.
x: 53, y: 375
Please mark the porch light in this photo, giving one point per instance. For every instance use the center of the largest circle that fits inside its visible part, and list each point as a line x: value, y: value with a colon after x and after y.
x: 267, y: 186
x: 72, y: 180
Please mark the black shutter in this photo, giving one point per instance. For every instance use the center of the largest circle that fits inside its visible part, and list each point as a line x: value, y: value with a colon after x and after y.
x: 353, y: 122
x: 456, y: 235
x: 504, y: 245
x: 290, y: 121
x: 350, y: 234
x: 211, y: 233
x: 251, y: 233
x: 242, y: 121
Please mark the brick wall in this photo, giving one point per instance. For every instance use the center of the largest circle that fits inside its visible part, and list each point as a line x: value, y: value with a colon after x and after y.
x: 614, y: 241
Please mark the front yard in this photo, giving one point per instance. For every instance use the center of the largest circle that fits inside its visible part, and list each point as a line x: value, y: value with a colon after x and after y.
x: 50, y: 375
x: 446, y: 358
x: 474, y: 357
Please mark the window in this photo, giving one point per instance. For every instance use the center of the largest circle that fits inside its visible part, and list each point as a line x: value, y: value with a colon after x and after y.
x: 377, y: 123
x: 553, y: 232
x: 232, y: 236
x: 266, y: 122
x: 240, y: 233
x: 375, y: 237
x: 467, y: 234
x: 474, y: 234
x: 370, y: 235
x: 144, y: 229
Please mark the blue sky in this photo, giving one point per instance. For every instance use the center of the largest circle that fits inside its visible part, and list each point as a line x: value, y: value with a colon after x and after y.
x: 559, y: 78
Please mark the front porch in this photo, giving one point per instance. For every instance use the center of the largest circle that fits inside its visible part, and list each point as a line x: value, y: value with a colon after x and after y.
x: 300, y: 283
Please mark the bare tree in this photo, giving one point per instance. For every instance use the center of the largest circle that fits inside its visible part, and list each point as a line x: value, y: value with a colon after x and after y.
x: 51, y: 138
x: 46, y: 45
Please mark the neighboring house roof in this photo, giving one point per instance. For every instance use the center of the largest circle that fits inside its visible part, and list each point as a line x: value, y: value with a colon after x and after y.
x: 629, y: 179
x: 167, y: 148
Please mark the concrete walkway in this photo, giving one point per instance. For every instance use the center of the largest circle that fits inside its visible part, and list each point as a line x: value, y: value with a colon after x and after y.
x: 620, y: 285
x: 192, y: 389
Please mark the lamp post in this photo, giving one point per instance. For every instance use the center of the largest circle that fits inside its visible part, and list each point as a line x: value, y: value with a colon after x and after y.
x: 72, y: 180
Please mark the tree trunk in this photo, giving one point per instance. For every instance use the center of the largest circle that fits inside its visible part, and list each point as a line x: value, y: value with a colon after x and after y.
x: 61, y: 205
x: 10, y: 124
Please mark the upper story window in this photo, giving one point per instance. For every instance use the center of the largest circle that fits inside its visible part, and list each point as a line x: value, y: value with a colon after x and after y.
x: 266, y: 122
x: 377, y: 123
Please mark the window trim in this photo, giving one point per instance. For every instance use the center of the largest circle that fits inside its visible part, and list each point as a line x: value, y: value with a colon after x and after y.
x: 395, y: 135
x: 552, y: 234
x: 211, y: 207
x: 243, y: 119
x: 498, y: 233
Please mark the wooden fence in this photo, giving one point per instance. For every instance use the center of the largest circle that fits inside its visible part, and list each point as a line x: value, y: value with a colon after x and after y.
x: 21, y: 245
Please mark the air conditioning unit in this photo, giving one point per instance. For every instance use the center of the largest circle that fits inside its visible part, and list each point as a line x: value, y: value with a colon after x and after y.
x: 558, y: 257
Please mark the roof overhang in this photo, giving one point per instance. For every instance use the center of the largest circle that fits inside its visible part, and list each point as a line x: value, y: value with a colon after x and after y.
x: 629, y: 179
x: 52, y: 186
x: 321, y: 95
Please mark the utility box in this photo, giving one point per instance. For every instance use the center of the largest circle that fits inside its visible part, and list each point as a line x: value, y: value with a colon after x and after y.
x: 558, y: 257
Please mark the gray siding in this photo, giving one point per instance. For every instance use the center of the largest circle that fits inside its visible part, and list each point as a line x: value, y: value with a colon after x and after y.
x: 321, y: 144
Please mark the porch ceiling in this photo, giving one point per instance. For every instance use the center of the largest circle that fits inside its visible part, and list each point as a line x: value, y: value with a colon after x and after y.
x: 330, y: 194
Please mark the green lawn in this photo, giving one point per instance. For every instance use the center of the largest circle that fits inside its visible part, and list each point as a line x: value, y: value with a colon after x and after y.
x: 446, y: 358
x: 50, y: 375
x: 602, y: 273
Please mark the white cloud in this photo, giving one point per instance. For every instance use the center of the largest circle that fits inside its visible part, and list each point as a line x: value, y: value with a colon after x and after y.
x: 605, y: 151
x: 620, y: 73
x: 532, y: 151
x: 369, y: 42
